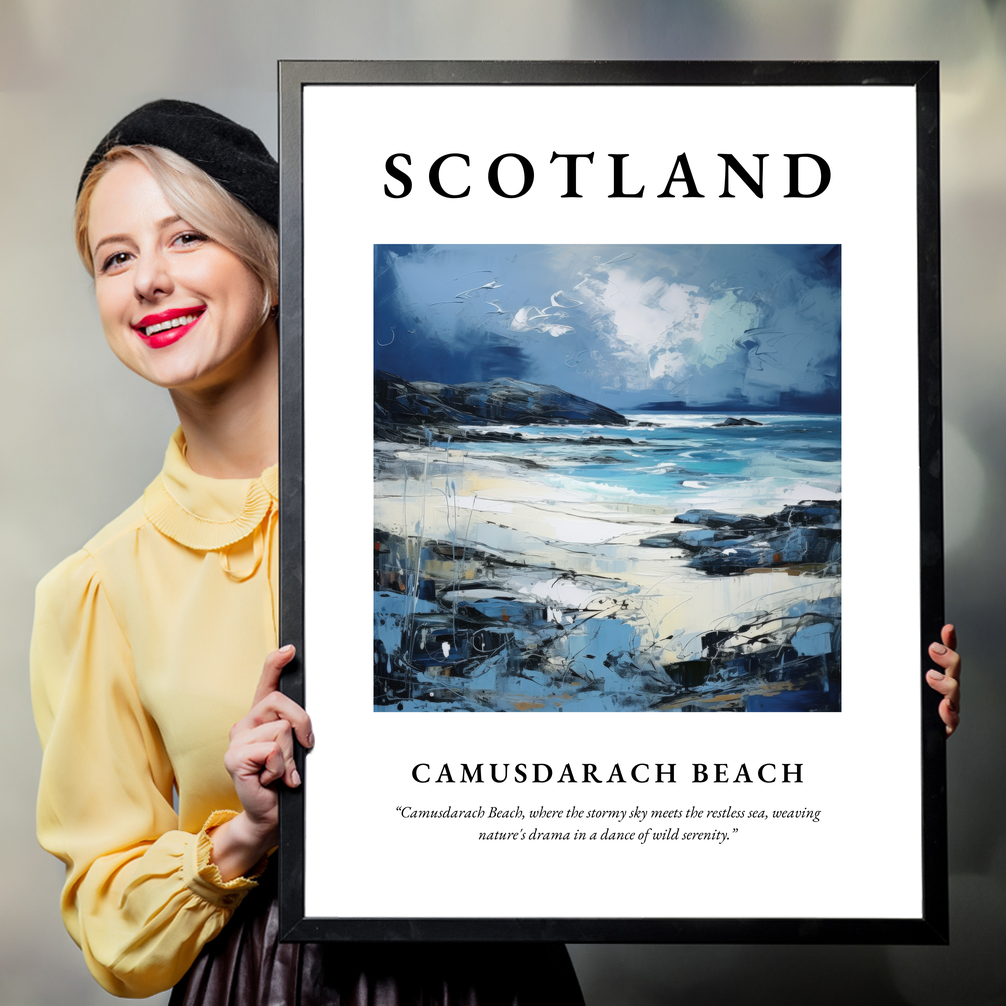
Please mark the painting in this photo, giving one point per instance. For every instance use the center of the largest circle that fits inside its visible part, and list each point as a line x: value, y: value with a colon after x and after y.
x: 607, y: 478
x: 612, y: 389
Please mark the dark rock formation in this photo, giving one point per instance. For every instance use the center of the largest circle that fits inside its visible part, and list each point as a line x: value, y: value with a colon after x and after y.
x: 799, y: 647
x: 806, y: 534
x: 502, y: 402
x: 714, y: 519
x: 738, y: 422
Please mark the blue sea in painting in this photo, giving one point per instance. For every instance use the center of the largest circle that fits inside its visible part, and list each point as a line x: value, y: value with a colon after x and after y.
x: 673, y: 459
x: 606, y: 543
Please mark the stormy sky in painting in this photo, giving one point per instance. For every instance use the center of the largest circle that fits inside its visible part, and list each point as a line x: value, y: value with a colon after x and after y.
x: 717, y: 327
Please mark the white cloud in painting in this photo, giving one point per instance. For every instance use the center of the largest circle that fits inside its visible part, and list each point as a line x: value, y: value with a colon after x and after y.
x: 662, y: 331
x: 561, y: 299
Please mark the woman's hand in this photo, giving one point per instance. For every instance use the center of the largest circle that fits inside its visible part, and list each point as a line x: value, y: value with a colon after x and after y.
x: 260, y: 753
x: 947, y: 682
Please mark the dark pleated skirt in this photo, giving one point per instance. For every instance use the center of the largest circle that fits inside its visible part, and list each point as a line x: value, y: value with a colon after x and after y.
x: 246, y: 965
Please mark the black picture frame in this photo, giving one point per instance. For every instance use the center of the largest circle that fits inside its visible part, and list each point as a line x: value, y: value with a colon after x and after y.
x: 931, y: 927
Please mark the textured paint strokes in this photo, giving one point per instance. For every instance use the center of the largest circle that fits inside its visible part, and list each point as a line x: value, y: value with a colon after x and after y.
x: 537, y: 549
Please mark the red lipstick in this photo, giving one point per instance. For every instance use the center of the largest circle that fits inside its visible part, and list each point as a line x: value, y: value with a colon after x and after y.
x: 165, y: 333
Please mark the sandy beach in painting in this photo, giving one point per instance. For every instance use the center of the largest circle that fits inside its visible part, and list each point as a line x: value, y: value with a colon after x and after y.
x: 552, y: 583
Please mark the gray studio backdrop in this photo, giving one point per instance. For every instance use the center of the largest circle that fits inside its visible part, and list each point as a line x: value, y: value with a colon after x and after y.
x: 82, y: 437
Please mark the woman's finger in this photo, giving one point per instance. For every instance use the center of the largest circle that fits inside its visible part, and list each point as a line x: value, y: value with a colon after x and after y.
x: 279, y: 732
x: 260, y: 760
x: 948, y: 659
x: 273, y: 766
x: 271, y: 671
x: 949, y: 636
x: 950, y: 689
x: 950, y: 716
x: 277, y: 706
x: 945, y: 685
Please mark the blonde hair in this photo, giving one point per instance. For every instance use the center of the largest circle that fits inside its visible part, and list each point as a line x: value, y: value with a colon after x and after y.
x: 199, y: 200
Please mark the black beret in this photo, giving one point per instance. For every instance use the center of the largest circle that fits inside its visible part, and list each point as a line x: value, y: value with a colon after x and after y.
x: 231, y: 154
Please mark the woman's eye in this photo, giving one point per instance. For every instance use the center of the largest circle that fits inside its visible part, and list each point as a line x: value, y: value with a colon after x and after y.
x: 114, y: 261
x: 190, y: 238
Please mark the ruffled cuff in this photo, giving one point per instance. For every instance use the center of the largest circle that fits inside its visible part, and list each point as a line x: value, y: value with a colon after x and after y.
x: 203, y: 878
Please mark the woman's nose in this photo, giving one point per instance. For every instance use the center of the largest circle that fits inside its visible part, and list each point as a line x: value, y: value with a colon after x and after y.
x: 152, y: 277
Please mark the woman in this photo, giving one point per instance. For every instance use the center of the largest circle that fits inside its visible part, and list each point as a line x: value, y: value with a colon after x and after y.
x: 149, y: 642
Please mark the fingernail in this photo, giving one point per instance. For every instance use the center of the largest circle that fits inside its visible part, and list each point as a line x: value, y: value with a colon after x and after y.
x: 310, y: 740
x: 936, y: 675
x: 938, y: 648
x: 286, y: 649
x: 295, y: 777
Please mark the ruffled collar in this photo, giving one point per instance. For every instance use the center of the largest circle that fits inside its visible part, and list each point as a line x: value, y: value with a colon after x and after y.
x: 203, y: 513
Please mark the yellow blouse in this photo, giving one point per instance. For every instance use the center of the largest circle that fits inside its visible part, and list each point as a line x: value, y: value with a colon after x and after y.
x: 147, y: 647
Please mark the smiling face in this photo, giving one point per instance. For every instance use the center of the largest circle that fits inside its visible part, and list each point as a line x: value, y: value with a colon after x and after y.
x: 177, y: 307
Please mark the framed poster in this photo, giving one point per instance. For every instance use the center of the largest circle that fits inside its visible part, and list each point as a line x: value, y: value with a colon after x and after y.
x: 610, y: 393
